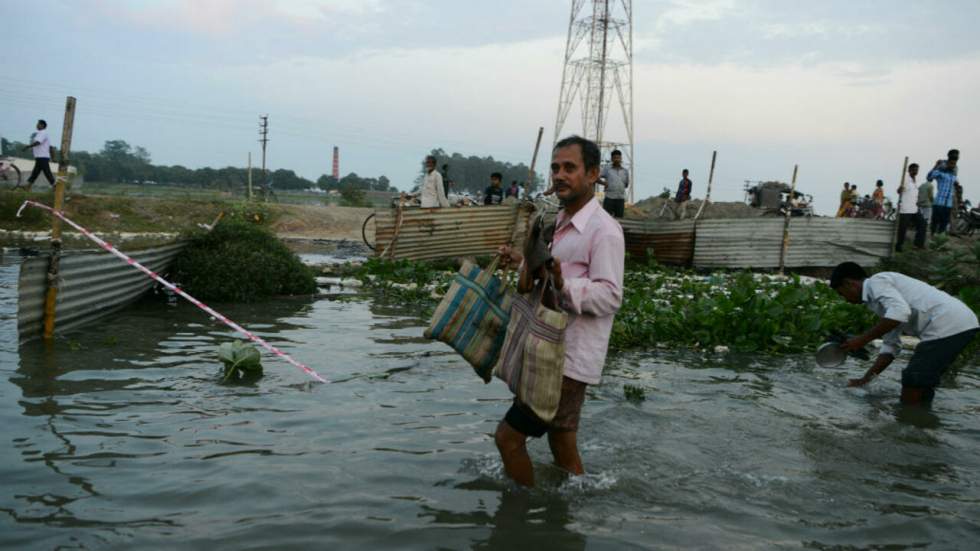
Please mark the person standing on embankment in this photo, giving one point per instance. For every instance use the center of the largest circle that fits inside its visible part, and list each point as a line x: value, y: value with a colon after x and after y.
x: 908, y: 210
x: 40, y: 146
x: 616, y: 179
x: 432, y: 193
x: 944, y: 173
x: 589, y: 253
x: 683, y: 195
x: 906, y: 305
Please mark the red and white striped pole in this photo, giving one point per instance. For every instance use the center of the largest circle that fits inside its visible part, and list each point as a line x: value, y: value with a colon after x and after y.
x: 108, y: 247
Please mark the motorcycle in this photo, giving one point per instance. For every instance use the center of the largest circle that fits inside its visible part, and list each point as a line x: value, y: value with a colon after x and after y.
x: 967, y: 219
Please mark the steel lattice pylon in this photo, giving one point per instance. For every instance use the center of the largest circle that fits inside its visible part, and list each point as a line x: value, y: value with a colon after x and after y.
x: 598, y: 65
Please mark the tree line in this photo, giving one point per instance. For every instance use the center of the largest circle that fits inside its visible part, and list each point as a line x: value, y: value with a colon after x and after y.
x: 473, y: 173
x: 119, y: 162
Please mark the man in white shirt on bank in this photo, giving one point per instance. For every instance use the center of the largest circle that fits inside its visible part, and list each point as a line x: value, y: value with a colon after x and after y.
x: 40, y: 145
x: 908, y: 209
x: 905, y: 305
x: 432, y: 192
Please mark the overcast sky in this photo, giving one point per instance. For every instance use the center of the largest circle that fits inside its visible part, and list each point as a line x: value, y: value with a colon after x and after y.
x: 844, y: 88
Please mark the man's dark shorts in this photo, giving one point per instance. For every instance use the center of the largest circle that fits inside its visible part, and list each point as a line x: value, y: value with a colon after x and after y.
x: 615, y: 207
x: 523, y: 420
x: 932, y: 358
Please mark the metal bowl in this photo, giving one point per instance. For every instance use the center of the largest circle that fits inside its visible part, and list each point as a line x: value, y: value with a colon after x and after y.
x: 830, y: 354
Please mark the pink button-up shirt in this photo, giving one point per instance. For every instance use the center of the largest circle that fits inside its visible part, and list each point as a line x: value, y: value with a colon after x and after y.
x: 591, y: 250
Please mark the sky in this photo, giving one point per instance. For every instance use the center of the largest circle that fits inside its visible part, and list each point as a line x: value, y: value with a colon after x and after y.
x: 844, y: 89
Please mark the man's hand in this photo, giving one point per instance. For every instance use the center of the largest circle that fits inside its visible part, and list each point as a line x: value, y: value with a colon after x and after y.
x: 510, y: 258
x: 856, y: 343
x: 858, y: 382
x: 556, y: 277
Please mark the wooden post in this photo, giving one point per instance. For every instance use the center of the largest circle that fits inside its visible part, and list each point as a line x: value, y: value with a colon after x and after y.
x: 711, y: 177
x: 789, y: 213
x: 51, y: 296
x: 250, y: 195
x: 898, y: 209
x: 534, y: 160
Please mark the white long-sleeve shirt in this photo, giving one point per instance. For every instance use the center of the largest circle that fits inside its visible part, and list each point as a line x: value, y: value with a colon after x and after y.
x: 923, y: 310
x: 433, y: 194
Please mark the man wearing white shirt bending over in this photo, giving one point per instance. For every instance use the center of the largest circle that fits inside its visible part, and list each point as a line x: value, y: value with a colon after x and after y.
x: 906, y: 305
x: 41, y: 147
x: 433, y: 194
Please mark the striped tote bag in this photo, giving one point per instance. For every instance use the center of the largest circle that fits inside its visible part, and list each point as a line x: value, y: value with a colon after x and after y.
x: 533, y: 356
x: 472, y: 318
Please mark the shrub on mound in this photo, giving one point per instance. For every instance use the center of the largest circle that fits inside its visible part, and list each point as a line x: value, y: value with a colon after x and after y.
x: 240, y: 262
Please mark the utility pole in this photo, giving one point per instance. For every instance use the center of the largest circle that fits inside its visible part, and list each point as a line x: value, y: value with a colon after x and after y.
x: 250, y: 196
x: 264, y: 139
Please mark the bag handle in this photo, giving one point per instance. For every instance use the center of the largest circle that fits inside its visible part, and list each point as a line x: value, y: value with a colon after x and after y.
x: 538, y: 293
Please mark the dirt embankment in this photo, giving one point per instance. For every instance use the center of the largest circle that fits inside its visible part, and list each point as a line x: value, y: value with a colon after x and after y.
x: 653, y: 207
x: 167, y: 218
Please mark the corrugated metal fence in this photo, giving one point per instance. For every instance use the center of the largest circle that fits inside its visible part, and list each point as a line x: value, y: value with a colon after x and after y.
x: 715, y: 243
x: 449, y: 232
x: 93, y: 284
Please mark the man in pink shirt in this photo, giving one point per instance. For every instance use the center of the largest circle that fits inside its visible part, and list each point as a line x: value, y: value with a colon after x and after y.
x: 588, y: 252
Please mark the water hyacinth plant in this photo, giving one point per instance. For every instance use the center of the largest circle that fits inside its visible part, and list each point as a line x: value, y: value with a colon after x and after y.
x: 741, y: 310
x: 242, y: 362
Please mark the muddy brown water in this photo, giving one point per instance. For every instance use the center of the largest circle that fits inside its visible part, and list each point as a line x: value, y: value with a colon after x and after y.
x: 119, y: 437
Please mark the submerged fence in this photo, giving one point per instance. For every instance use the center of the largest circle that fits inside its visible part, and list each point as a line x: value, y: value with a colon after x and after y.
x: 93, y: 284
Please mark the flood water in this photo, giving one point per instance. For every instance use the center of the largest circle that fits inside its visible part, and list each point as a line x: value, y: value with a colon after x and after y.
x: 119, y: 437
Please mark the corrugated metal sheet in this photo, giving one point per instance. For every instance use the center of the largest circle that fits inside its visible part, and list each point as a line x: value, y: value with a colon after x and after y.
x: 93, y: 284
x: 738, y: 243
x: 813, y: 242
x: 826, y: 242
x: 671, y: 242
x: 449, y: 232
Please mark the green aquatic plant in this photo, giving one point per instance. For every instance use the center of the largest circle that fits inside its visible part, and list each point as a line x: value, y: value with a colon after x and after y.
x: 744, y: 311
x: 242, y: 362
x: 240, y: 261
x: 634, y: 393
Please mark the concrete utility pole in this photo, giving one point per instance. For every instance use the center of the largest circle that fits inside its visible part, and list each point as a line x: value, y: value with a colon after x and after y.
x: 250, y: 195
x: 264, y: 133
x: 51, y: 297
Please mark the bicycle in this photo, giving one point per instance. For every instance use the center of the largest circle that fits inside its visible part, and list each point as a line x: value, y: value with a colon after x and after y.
x: 10, y: 174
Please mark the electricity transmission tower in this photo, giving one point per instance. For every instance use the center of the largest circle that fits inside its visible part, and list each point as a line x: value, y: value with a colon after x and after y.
x: 598, y: 67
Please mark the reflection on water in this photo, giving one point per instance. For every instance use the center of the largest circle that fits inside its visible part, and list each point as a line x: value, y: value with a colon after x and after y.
x: 119, y: 436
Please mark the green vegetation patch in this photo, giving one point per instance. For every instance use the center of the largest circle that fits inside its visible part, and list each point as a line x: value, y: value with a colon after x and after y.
x: 745, y: 311
x: 240, y: 262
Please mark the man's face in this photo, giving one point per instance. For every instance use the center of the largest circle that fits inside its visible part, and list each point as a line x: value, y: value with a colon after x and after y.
x: 850, y: 290
x: 569, y: 176
x: 913, y: 171
x: 40, y: 126
x: 495, y: 182
x: 430, y: 165
x: 951, y: 163
x: 617, y: 160
x: 684, y: 174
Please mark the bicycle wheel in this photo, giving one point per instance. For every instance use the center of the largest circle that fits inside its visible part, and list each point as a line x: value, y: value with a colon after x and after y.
x: 364, y: 232
x: 11, y: 176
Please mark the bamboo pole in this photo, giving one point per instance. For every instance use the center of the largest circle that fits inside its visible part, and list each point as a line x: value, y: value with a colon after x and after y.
x: 51, y: 296
x: 789, y: 214
x: 534, y: 160
x: 711, y: 177
x: 898, y: 209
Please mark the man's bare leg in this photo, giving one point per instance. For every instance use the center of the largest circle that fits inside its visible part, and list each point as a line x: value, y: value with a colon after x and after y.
x: 564, y: 447
x: 512, y: 445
